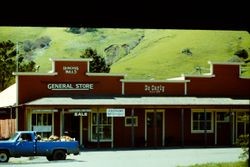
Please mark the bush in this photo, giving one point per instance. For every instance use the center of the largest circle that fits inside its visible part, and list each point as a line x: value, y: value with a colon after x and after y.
x: 243, y: 142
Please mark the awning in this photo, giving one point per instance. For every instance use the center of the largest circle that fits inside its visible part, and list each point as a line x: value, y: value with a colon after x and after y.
x: 139, y: 101
x: 8, y: 97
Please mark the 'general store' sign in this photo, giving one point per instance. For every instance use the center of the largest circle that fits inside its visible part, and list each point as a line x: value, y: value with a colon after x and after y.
x: 70, y: 86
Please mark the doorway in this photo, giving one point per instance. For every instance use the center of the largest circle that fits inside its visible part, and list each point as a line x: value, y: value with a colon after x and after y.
x: 72, y: 126
x: 154, y: 128
x: 224, y: 129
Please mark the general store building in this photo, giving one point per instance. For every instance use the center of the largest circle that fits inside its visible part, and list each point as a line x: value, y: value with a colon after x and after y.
x: 104, y: 110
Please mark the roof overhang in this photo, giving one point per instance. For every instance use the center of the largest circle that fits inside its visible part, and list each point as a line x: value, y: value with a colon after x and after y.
x: 8, y: 97
x: 139, y: 101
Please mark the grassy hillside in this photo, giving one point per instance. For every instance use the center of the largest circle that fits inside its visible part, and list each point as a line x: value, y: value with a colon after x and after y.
x: 158, y: 54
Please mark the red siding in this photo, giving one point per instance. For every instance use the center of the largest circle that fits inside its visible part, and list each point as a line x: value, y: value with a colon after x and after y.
x: 226, y: 83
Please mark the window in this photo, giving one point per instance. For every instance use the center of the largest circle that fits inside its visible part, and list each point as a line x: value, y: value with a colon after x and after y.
x: 223, y: 116
x: 42, y: 123
x: 198, y: 122
x: 128, y: 121
x: 105, y: 127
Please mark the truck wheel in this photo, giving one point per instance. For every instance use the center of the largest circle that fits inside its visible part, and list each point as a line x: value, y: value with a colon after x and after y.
x: 4, y: 156
x: 59, y: 155
x: 49, y: 158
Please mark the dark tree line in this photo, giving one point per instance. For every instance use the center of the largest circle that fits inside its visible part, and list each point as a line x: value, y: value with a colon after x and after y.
x: 9, y: 60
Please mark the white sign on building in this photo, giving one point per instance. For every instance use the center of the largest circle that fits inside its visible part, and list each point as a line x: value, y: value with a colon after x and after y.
x: 115, y: 112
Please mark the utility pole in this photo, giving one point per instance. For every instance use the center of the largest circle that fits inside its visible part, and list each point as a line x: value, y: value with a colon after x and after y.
x: 17, y: 55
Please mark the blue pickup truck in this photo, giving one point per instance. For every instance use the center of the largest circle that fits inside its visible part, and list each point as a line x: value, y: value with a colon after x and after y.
x: 26, y: 143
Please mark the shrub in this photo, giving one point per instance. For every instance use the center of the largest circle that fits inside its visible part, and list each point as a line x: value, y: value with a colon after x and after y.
x: 243, y: 142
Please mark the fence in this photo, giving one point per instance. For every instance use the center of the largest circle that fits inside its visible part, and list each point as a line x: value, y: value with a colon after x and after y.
x: 7, y: 128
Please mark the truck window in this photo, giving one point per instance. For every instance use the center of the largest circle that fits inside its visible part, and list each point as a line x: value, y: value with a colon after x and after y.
x: 26, y: 137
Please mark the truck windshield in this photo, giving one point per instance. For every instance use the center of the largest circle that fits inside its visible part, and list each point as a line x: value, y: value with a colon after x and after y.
x: 13, y: 136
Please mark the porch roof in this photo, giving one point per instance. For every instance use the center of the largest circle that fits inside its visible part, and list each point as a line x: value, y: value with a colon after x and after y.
x: 8, y: 97
x: 139, y: 101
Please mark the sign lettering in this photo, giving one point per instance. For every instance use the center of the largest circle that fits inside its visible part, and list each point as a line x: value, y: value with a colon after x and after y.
x: 115, y: 112
x: 70, y: 86
x: 154, y: 88
x: 70, y: 69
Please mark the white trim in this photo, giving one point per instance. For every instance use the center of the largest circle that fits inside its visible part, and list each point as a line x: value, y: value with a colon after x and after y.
x: 244, y: 77
x: 154, y: 81
x: 34, y: 74
x: 185, y: 88
x: 200, y: 76
x: 65, y: 59
x: 123, y: 88
x: 225, y: 63
x: 105, y: 74
x: 233, y: 129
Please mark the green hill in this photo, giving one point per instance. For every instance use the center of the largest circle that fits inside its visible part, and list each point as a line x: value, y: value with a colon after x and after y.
x: 139, y: 53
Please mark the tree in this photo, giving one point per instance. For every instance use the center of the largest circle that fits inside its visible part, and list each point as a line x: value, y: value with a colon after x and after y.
x: 8, y: 63
x: 98, y: 63
x: 243, y: 141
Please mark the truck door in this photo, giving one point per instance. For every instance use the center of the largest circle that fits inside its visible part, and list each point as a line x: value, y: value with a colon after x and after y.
x: 25, y: 145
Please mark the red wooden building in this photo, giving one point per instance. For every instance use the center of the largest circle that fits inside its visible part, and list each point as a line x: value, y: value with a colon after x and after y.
x: 106, y: 110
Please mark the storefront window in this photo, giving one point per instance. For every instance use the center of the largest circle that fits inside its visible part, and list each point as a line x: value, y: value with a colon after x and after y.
x: 105, y: 127
x: 42, y: 124
x: 198, y: 122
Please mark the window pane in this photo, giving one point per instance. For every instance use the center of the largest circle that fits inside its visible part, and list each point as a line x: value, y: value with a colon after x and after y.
x: 45, y: 119
x: 49, y: 119
x: 33, y: 119
x: 106, y: 132
x: 209, y: 115
x: 195, y: 116
x: 195, y: 126
x: 39, y: 119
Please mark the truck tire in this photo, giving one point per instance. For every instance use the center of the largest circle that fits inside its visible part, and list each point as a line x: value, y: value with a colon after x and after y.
x: 59, y: 155
x: 4, y: 156
x: 49, y: 157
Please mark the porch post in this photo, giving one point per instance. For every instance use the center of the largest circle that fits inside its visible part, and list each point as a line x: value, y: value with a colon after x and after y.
x: 98, y: 128
x: 182, y: 127
x: 205, y: 128
x: 81, y: 137
x: 132, y: 128
x: 62, y: 122
x: 231, y: 119
x: 155, y: 128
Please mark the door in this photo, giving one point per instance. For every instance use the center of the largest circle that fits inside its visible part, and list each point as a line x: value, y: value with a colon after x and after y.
x: 224, y: 136
x: 72, y: 126
x: 25, y: 145
x: 154, y: 128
